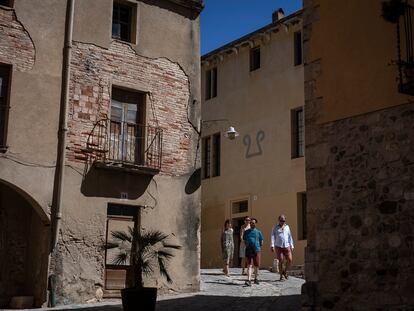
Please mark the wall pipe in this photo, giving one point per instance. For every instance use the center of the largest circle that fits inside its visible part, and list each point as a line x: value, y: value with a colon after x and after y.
x: 62, y: 133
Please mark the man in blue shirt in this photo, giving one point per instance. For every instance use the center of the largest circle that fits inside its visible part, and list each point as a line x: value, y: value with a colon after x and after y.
x: 254, y: 240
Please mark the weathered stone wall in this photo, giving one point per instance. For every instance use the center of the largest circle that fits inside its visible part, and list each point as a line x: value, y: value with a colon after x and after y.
x: 95, y: 70
x: 359, y: 175
x: 15, y: 41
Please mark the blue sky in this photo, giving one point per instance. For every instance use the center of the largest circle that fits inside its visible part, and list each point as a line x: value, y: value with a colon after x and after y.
x: 223, y: 21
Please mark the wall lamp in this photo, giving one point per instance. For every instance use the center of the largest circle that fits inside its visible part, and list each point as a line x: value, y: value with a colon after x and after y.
x: 231, y: 132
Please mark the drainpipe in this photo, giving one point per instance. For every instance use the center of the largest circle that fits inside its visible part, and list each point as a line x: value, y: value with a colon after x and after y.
x: 61, y: 152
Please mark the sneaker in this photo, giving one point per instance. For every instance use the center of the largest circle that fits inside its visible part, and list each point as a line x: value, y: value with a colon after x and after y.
x: 248, y: 283
x: 285, y: 275
x: 256, y: 281
x: 281, y: 277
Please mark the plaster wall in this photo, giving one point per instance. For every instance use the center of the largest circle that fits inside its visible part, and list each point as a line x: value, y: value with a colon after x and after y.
x: 34, y: 95
x: 169, y: 75
x: 266, y: 175
x: 357, y: 78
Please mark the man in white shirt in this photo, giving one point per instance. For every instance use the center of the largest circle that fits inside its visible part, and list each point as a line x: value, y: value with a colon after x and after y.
x: 282, y: 243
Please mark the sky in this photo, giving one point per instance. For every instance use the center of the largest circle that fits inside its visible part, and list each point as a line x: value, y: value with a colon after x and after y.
x: 223, y: 21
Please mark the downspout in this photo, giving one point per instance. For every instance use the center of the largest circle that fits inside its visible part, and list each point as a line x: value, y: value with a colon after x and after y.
x: 62, y: 134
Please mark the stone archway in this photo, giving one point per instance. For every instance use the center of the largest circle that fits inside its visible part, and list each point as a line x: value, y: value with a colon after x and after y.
x: 24, y: 246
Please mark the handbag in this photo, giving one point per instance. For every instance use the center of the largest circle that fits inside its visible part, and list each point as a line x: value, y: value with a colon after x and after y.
x: 251, y: 250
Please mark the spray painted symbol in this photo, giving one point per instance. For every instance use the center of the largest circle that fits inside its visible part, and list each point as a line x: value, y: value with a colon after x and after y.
x: 248, y: 141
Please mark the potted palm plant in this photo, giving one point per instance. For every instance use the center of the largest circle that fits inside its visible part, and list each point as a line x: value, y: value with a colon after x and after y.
x: 146, y: 253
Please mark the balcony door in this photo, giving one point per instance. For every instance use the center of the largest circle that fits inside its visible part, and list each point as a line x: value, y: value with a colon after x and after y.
x: 126, y: 127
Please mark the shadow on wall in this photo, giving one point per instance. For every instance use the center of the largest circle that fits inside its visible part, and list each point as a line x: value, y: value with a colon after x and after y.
x: 194, y: 182
x: 111, y: 183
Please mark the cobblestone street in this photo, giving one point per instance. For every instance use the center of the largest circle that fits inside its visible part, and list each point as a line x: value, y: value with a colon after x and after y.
x: 219, y: 292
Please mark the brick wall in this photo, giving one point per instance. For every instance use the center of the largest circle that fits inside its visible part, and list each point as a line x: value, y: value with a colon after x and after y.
x: 16, y: 46
x: 94, y: 70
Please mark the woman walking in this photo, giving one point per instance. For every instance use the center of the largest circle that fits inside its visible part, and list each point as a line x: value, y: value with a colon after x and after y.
x: 242, y: 249
x: 227, y: 245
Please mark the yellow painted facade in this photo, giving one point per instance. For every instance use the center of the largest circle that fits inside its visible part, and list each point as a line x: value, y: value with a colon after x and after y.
x: 257, y: 166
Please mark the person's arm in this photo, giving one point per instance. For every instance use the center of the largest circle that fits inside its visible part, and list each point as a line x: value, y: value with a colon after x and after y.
x: 272, y: 239
x: 291, y: 240
x: 260, y: 238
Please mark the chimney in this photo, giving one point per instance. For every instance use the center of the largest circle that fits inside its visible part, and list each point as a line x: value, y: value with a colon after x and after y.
x: 277, y: 15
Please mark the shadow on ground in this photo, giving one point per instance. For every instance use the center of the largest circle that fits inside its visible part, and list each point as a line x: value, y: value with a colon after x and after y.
x: 210, y: 303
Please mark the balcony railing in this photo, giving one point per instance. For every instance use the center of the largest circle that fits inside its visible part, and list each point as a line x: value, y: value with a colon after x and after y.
x: 126, y: 145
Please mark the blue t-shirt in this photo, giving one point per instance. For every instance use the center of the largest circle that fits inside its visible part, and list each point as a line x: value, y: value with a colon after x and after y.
x: 253, y: 236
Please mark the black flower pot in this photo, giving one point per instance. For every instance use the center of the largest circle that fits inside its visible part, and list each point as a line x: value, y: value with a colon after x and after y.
x: 139, y: 299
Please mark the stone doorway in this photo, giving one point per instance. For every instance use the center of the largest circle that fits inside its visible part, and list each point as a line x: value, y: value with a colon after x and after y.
x: 24, y: 247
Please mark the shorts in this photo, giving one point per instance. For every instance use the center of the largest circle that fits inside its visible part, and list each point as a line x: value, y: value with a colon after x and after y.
x: 282, y: 253
x: 255, y: 261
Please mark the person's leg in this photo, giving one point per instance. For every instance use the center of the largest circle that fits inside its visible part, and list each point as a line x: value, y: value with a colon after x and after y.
x: 279, y: 256
x: 243, y: 265
x: 256, y: 263
x: 288, y: 256
x: 249, y: 270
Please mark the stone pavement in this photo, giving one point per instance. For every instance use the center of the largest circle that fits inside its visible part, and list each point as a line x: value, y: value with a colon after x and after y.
x: 219, y: 292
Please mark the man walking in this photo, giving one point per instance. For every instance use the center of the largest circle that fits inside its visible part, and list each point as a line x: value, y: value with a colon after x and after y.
x: 282, y: 243
x: 254, y: 240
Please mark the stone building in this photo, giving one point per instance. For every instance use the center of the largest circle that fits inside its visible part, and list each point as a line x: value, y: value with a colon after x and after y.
x: 98, y: 101
x: 359, y: 117
x: 255, y: 84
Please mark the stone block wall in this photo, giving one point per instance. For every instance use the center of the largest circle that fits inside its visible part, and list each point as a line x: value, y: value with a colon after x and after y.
x: 359, y: 175
x: 95, y: 70
x: 16, y: 46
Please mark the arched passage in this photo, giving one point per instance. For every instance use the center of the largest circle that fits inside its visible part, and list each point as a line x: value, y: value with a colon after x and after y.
x: 24, y: 241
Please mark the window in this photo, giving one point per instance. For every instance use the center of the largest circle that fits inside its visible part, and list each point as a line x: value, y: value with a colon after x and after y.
x: 298, y: 143
x: 5, y: 72
x: 211, y: 156
x: 126, y: 128
x: 211, y: 83
x: 8, y: 3
x: 123, y: 22
x: 255, y: 58
x: 216, y: 154
x: 298, y: 48
x: 302, y: 218
x: 240, y: 207
x: 206, y: 157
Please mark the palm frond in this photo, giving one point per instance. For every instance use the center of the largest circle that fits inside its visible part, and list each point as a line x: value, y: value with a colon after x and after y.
x: 110, y: 245
x: 153, y: 237
x: 171, y: 246
x: 163, y: 269
x: 165, y: 255
x: 147, y: 268
x: 121, y: 258
x: 121, y: 236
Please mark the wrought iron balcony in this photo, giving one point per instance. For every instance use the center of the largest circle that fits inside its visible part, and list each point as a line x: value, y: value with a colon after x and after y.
x: 125, y: 145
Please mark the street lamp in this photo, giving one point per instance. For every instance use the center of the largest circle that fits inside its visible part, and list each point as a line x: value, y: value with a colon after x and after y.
x: 231, y: 132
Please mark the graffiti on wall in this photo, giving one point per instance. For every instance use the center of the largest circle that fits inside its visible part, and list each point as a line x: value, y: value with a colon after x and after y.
x: 254, y: 149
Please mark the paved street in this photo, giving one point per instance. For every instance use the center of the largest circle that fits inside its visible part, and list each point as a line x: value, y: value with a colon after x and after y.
x: 219, y: 292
